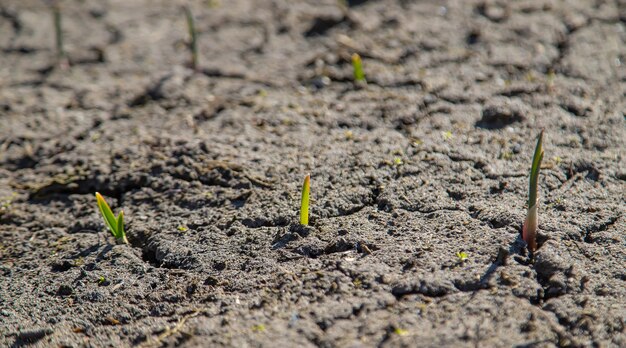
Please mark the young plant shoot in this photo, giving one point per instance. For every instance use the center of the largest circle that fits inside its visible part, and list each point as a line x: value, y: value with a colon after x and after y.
x: 357, y: 68
x: 62, y: 60
x: 529, y: 230
x: 304, y: 203
x: 114, y: 224
x: 193, y: 45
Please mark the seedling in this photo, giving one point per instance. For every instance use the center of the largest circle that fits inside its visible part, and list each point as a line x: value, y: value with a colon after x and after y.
x: 400, y: 332
x: 357, y: 68
x: 193, y: 44
x: 304, y: 203
x: 114, y: 224
x: 462, y: 256
x: 258, y: 328
x: 529, y: 230
x: 62, y: 60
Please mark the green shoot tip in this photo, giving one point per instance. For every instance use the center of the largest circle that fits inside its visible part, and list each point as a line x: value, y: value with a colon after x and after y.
x: 529, y: 229
x: 304, y: 203
x: 357, y: 68
x: 114, y: 224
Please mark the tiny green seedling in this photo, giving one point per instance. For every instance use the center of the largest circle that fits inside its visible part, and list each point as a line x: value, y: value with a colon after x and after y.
x: 62, y: 60
x: 357, y: 69
x: 193, y: 43
x: 114, y: 224
x: 461, y: 256
x: 304, y: 203
x: 400, y: 332
x: 529, y: 230
x: 258, y: 328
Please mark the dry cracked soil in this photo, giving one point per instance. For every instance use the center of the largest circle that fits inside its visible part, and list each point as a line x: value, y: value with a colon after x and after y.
x: 428, y: 160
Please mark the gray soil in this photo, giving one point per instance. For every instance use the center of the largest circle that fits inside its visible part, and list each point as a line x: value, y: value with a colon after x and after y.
x: 429, y: 159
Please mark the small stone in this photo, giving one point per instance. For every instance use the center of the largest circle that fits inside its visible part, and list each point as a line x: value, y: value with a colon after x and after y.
x: 321, y: 82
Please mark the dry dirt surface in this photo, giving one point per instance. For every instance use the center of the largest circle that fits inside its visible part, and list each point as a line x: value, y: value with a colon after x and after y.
x: 429, y: 160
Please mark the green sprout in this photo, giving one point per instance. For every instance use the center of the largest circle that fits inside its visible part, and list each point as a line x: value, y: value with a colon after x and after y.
x: 462, y: 256
x: 63, y: 62
x: 304, y: 203
x: 114, y: 224
x: 400, y: 332
x: 357, y: 67
x: 258, y: 328
x: 101, y: 280
x: 193, y: 42
x: 529, y: 230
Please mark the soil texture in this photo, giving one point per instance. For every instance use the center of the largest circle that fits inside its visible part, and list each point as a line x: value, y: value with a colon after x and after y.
x: 419, y: 178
